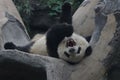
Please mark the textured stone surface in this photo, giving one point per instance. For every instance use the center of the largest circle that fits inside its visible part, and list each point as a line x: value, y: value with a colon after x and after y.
x: 21, y: 66
x: 31, y: 66
x: 14, y: 31
x: 83, y: 18
x: 11, y: 25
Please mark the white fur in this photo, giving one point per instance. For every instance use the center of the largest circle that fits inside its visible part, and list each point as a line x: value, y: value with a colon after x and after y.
x: 37, y: 37
x: 39, y: 47
x: 80, y: 42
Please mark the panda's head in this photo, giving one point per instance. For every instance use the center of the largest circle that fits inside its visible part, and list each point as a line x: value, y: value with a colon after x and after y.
x: 73, y: 49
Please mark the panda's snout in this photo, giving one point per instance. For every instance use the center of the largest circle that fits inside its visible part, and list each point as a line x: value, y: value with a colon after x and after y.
x: 72, y: 50
x: 75, y: 50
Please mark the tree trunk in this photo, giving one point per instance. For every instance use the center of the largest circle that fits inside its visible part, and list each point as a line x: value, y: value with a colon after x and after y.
x: 30, y: 66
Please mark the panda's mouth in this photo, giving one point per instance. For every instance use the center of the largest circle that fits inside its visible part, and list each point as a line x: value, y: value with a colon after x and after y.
x: 69, y: 55
x: 70, y: 43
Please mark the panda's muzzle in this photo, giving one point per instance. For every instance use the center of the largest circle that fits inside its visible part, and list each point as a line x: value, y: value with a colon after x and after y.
x: 72, y: 50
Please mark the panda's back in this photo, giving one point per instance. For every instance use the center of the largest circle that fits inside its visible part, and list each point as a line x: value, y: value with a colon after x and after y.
x: 39, y: 47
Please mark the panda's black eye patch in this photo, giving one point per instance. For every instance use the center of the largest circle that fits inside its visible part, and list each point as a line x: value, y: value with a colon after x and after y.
x: 70, y: 43
x: 66, y: 54
x: 79, y: 50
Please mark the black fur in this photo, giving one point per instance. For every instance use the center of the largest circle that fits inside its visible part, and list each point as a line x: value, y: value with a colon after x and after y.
x: 88, y: 51
x: 66, y: 15
x: 55, y: 35
x: 88, y: 38
x: 9, y: 45
x: 26, y: 48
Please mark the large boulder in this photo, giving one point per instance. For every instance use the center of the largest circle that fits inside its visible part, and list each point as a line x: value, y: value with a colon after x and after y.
x: 83, y: 18
x: 15, y: 65
x: 12, y: 28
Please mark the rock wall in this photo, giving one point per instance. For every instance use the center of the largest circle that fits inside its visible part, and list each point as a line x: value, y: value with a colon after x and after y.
x: 11, y: 26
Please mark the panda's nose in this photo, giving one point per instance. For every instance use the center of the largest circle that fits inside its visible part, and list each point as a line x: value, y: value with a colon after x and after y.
x: 72, y: 50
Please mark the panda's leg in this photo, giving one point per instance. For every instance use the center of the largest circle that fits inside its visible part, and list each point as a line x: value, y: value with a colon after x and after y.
x: 66, y: 14
x: 55, y: 35
x: 58, y: 32
x: 53, y: 52
x: 26, y: 48
x: 52, y: 45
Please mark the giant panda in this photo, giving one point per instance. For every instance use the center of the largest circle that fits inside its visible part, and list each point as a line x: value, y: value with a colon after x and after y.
x: 60, y: 41
x: 71, y: 49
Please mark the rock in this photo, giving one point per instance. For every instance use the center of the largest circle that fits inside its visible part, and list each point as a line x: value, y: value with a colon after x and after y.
x: 20, y: 66
x: 17, y: 65
x: 13, y: 31
x: 83, y: 18
x: 12, y: 28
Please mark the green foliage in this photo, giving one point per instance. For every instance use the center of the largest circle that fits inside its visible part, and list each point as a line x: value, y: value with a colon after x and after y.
x: 24, y: 9
x: 55, y: 5
x: 76, y: 4
x: 23, y: 6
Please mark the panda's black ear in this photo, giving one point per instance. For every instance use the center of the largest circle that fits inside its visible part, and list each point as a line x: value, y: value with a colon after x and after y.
x: 88, y: 38
x: 88, y: 51
x: 66, y: 14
